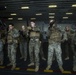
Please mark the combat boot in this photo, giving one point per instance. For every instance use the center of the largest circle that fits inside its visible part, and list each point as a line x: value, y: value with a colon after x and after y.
x: 74, y: 68
x: 43, y: 59
x: 67, y: 58
x: 37, y: 68
x: 13, y: 67
x: 31, y: 64
x: 61, y: 68
x: 48, y: 67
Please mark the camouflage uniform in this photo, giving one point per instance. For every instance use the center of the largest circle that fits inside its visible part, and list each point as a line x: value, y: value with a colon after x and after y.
x: 34, y: 46
x: 68, y: 42
x: 74, y: 62
x: 71, y: 42
x: 54, y: 46
x: 23, y: 44
x: 12, y: 45
x: 73, y: 45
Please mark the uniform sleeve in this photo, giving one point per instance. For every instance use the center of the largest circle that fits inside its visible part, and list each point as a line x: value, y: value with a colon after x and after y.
x: 61, y: 33
x: 16, y: 33
x: 27, y: 34
x: 37, y: 29
x: 65, y: 37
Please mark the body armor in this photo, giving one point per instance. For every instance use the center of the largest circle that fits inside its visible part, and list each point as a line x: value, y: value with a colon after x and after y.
x: 10, y: 38
x: 55, y: 36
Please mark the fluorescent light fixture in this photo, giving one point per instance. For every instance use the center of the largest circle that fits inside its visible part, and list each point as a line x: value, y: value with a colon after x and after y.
x: 39, y: 14
x: 33, y: 18
x: 69, y: 13
x: 51, y: 16
x: 65, y: 17
x: 51, y: 13
x: 74, y: 5
x: 13, y: 14
x: 26, y: 7
x: 10, y: 18
x: 52, y: 6
x: 20, y: 18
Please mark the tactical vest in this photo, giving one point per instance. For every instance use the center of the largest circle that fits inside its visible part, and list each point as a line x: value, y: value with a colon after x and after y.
x: 10, y: 39
x: 70, y: 35
x: 55, y: 36
x: 34, y: 34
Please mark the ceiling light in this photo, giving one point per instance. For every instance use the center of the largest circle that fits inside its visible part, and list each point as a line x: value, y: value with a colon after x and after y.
x: 74, y: 5
x: 33, y: 18
x: 65, y: 17
x: 52, y: 6
x: 20, y: 18
x: 10, y: 18
x: 69, y: 13
x: 39, y: 14
x: 51, y: 16
x: 13, y: 14
x: 26, y: 7
x: 51, y: 13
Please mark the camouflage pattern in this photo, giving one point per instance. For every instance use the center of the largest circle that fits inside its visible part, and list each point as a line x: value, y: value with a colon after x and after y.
x: 54, y: 46
x: 34, y: 46
x: 68, y: 41
x: 12, y: 45
x: 73, y: 46
x: 12, y: 53
x: 74, y: 62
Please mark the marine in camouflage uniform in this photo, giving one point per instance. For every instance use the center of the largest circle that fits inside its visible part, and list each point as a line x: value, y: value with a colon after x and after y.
x: 23, y: 43
x: 12, y: 41
x: 71, y: 36
x: 68, y: 43
x: 54, y: 46
x: 73, y: 46
x: 34, y: 46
